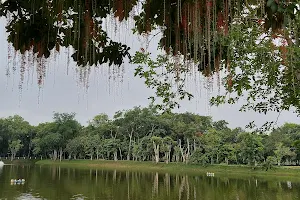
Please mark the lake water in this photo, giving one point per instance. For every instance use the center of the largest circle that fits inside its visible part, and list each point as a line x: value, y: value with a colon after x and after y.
x: 55, y: 183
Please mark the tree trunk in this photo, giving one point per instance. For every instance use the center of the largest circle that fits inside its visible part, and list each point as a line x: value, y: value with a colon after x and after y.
x: 177, y: 157
x: 226, y: 160
x: 120, y: 151
x: 129, y: 146
x: 60, y: 154
x: 167, y: 157
x: 115, y: 156
x: 156, y: 152
x: 188, y: 152
x: 185, y: 152
x: 29, y: 149
x: 54, y: 154
x: 181, y: 150
x: 12, y: 156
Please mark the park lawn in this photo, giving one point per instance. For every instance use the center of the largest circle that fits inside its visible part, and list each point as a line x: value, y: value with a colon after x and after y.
x: 178, y: 168
x: 20, y: 161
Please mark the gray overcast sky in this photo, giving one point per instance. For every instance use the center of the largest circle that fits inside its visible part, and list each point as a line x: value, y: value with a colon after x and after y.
x: 62, y: 94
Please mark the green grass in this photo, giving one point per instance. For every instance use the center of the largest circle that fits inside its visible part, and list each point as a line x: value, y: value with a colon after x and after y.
x: 19, y: 161
x: 175, y: 168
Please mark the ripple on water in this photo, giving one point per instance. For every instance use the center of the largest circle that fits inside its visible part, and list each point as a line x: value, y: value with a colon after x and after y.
x: 78, y: 197
x: 27, y: 196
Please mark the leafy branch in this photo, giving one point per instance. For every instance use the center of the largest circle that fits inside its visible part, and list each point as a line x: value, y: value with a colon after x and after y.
x: 166, y: 76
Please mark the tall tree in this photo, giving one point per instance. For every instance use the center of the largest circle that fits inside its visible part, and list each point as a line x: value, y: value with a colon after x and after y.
x: 14, y: 147
x: 280, y: 152
x: 67, y: 127
x: 251, y: 148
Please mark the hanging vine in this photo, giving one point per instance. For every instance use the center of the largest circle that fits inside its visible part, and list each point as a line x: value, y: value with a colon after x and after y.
x: 211, y: 34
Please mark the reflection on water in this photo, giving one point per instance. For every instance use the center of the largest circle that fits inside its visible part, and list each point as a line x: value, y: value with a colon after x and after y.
x: 78, y: 197
x: 28, y: 197
x: 55, y: 183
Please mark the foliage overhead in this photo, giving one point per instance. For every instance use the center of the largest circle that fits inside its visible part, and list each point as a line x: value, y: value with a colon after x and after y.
x: 256, y: 42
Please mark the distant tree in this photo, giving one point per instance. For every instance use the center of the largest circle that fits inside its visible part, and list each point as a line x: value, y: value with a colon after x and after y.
x: 296, y: 146
x: 280, y: 152
x: 14, y: 147
x: 157, y: 143
x: 251, y: 148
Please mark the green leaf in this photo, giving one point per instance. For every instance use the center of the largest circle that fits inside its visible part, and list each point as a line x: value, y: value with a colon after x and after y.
x: 270, y: 2
x: 274, y: 7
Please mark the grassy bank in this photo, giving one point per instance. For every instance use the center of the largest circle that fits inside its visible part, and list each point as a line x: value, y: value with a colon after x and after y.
x: 175, y: 168
x: 19, y: 162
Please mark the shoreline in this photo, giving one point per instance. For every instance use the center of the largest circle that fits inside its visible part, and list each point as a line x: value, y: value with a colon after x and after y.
x: 19, y: 161
x: 179, y: 168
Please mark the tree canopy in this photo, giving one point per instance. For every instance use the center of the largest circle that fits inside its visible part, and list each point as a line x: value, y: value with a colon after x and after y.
x: 143, y: 134
x: 256, y: 42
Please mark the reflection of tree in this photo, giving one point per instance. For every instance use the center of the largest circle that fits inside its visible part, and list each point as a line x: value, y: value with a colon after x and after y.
x: 167, y: 184
x: 184, y: 186
x: 155, y: 185
x: 38, y: 181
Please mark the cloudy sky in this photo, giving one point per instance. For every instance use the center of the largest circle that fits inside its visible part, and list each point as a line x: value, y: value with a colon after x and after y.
x: 61, y: 92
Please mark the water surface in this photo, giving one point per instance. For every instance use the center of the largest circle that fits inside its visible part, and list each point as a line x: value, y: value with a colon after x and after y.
x: 56, y: 183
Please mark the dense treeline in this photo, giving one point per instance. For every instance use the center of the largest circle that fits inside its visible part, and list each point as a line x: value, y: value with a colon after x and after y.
x: 143, y: 134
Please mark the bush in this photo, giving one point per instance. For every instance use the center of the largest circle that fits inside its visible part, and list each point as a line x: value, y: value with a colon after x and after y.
x: 270, y: 162
x: 199, y: 158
